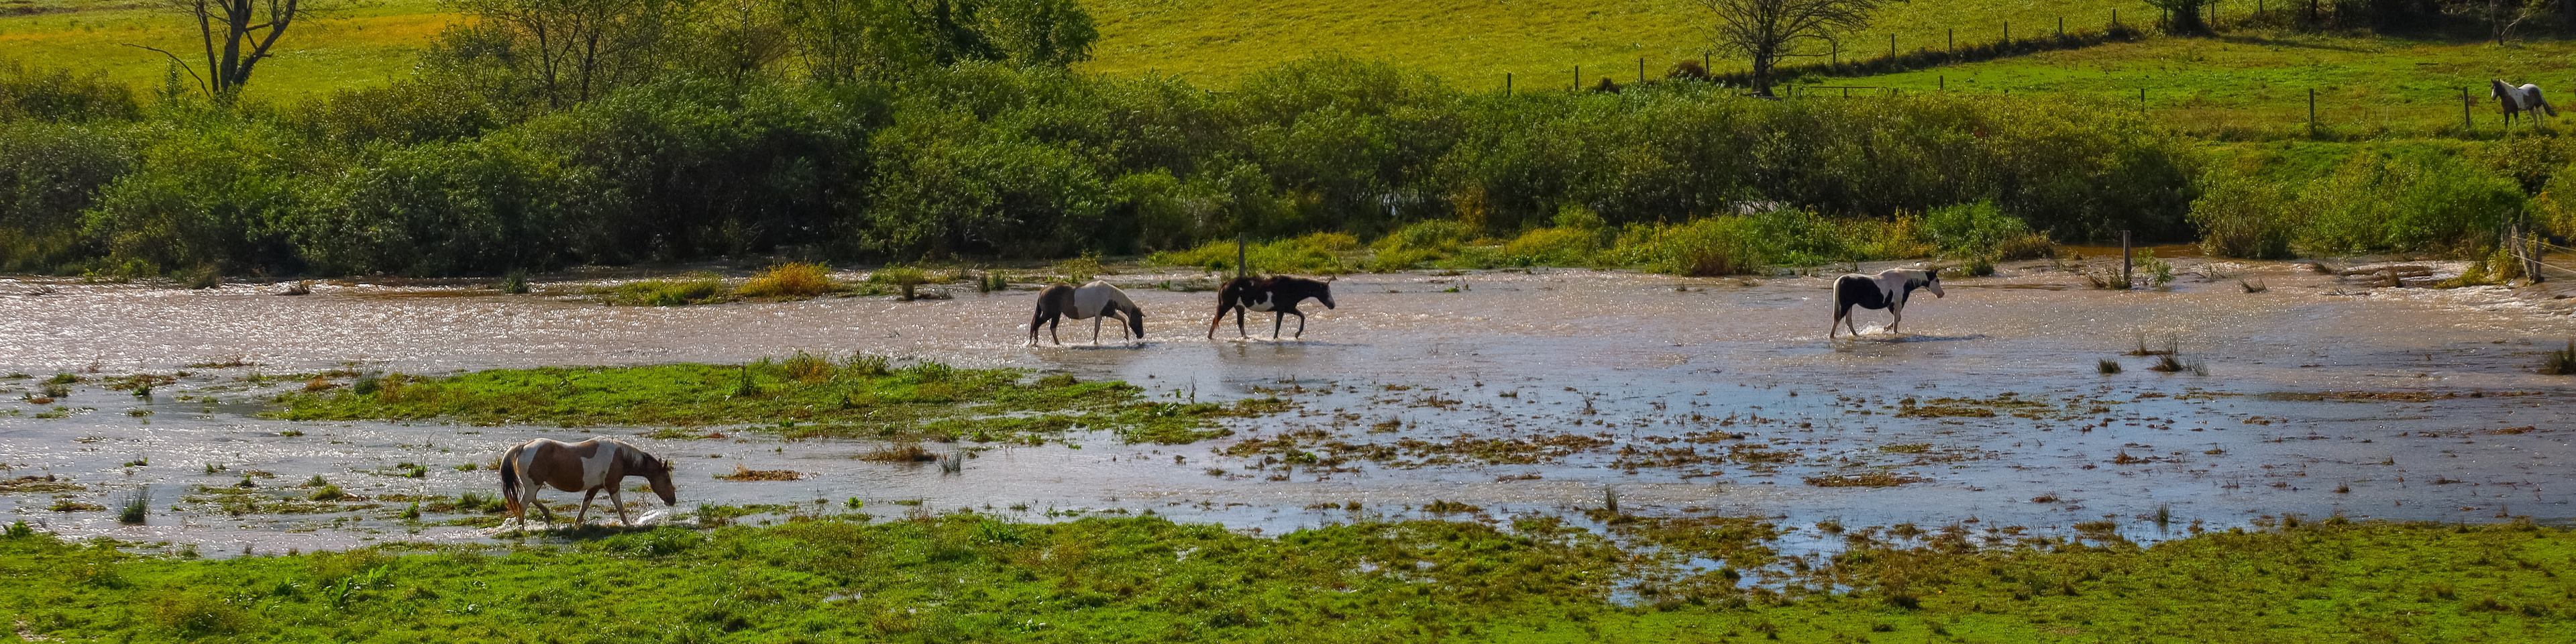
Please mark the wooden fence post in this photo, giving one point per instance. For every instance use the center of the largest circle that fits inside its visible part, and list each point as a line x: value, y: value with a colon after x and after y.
x: 2466, y: 125
x: 1954, y: 41
x: 1239, y: 268
x: 2312, y: 112
x: 1578, y: 78
x: 2125, y: 256
x: 1507, y: 83
x: 1641, y: 69
x: 1891, y: 46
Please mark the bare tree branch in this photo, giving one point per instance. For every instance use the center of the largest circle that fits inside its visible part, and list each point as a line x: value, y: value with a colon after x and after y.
x: 174, y: 60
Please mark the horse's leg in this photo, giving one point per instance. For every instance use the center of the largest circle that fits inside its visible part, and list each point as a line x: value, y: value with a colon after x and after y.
x: 1238, y: 321
x: 584, y: 515
x: 1301, y: 325
x: 1899, y: 312
x: 1095, y: 327
x: 1277, y: 319
x: 620, y: 503
x: 1051, y: 334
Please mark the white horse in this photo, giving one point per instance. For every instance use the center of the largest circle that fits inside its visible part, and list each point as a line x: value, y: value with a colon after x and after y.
x: 1886, y: 290
x: 1094, y: 301
x: 2520, y: 99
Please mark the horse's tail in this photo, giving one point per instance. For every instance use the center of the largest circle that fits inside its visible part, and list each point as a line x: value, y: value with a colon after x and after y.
x: 510, y: 481
x: 2545, y: 107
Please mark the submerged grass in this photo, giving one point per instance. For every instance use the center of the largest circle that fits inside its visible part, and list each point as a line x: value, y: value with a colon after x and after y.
x: 803, y: 395
x: 965, y: 577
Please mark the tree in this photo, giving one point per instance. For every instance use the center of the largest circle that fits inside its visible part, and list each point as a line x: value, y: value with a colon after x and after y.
x: 570, y: 51
x: 232, y: 26
x: 2183, y: 16
x: 863, y: 39
x: 1766, y: 31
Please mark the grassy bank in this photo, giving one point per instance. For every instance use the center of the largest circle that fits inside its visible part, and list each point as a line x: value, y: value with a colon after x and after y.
x: 799, y: 396
x: 971, y: 578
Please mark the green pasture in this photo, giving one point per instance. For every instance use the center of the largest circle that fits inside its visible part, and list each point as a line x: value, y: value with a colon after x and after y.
x: 968, y: 576
x: 355, y: 44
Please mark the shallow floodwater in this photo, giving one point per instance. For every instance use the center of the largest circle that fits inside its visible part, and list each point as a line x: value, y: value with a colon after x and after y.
x: 1513, y: 392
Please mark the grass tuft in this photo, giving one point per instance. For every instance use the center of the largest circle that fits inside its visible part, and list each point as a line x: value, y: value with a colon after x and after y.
x: 792, y: 280
x: 2559, y: 362
x: 135, y: 507
x: 2107, y: 366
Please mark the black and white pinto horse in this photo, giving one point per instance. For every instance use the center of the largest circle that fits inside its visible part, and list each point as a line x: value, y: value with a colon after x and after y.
x: 1095, y: 301
x: 1277, y: 295
x: 1886, y: 290
x: 2524, y: 99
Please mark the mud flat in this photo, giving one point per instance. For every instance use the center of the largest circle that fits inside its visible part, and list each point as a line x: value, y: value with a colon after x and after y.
x: 1545, y: 393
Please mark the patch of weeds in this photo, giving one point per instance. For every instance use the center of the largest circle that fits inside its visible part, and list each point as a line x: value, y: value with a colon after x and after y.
x: 47, y: 484
x: 1442, y: 506
x: 66, y: 504
x: 899, y: 453
x: 1870, y: 479
x: 698, y: 288
x: 2107, y: 366
x: 794, y: 280
x: 2559, y: 362
x: 741, y: 473
x: 328, y: 492
x: 514, y: 282
x: 135, y: 507
x: 906, y: 280
x: 2169, y: 363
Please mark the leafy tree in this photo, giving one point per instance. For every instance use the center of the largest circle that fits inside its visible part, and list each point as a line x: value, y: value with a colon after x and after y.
x: 569, y: 51
x: 1766, y: 31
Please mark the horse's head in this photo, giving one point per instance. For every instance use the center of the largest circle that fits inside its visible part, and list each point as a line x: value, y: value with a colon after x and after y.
x: 2497, y: 89
x: 657, y: 473
x: 1932, y: 282
x: 1324, y: 293
x: 1136, y: 320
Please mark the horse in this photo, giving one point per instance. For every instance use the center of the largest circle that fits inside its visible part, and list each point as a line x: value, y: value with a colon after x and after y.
x: 1886, y: 290
x: 586, y: 467
x: 1094, y: 301
x: 1277, y: 294
x: 2520, y: 99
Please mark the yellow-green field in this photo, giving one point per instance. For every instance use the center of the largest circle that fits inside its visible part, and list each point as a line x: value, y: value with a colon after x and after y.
x: 2242, y: 82
x: 1476, y: 42
x: 359, y: 44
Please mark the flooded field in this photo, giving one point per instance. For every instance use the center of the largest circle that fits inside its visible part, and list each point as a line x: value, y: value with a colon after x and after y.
x: 1487, y: 393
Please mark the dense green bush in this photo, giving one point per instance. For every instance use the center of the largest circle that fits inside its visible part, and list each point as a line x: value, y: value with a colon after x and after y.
x: 49, y: 173
x: 2240, y: 216
x: 447, y: 174
x: 2381, y: 201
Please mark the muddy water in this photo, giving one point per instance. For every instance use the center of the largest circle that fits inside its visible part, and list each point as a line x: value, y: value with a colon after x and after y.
x: 2321, y: 396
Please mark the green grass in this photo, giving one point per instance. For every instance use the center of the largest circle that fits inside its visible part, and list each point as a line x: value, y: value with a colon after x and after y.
x: 2256, y: 83
x: 363, y: 44
x: 1474, y: 43
x: 802, y: 395
x: 964, y: 577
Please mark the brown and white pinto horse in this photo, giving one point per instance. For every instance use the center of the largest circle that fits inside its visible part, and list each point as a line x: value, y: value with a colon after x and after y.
x: 1278, y: 295
x: 585, y: 467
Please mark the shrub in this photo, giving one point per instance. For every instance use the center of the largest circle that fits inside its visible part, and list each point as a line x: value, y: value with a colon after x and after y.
x: 790, y: 280
x: 1707, y: 247
x: 2245, y: 217
x: 1314, y: 254
x: 2380, y: 201
x: 904, y: 278
x: 1972, y: 228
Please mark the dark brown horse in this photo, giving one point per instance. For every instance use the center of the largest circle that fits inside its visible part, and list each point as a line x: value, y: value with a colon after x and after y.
x: 586, y: 467
x: 1278, y: 295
